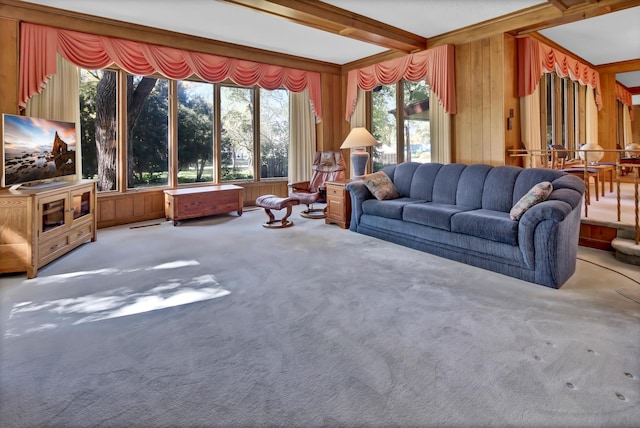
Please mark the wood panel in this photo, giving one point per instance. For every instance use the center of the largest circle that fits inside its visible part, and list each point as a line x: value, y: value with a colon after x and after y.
x: 9, y: 30
x: 607, y: 118
x: 597, y: 236
x: 124, y: 208
x: 485, y: 94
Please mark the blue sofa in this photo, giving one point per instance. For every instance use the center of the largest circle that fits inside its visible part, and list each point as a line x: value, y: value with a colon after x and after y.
x: 461, y: 212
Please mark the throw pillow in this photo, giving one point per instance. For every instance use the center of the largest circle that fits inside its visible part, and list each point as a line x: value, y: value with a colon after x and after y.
x: 538, y: 193
x: 380, y: 185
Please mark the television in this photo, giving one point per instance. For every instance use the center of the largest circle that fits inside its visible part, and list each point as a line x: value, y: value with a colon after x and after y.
x: 36, y: 151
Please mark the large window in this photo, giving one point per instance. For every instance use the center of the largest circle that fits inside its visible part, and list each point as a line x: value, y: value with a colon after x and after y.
x: 237, y: 130
x: 195, y: 132
x: 562, y: 112
x: 274, y: 133
x: 406, y: 103
x: 384, y: 126
x: 180, y: 132
x: 99, y: 126
x: 147, y: 131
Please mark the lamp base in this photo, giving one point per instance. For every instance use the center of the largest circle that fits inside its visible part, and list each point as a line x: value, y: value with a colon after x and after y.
x: 359, y: 160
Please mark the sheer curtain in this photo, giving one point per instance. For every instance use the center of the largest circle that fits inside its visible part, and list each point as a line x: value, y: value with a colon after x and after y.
x: 440, y: 132
x: 530, y: 127
x: 302, y: 144
x: 359, y: 120
x: 59, y: 100
x: 592, y: 118
x: 627, y: 133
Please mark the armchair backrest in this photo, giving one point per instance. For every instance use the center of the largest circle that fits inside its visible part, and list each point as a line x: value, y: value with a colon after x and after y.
x: 327, y: 166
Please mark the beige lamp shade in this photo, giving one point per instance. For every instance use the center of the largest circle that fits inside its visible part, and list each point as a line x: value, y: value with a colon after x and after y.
x: 358, y: 137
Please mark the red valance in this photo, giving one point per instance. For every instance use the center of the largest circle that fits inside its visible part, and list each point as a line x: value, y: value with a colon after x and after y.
x: 536, y: 58
x: 436, y: 65
x: 39, y: 45
x: 623, y: 95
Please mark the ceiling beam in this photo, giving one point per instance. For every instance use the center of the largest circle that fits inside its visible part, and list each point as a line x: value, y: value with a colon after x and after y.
x: 326, y: 17
x: 535, y: 18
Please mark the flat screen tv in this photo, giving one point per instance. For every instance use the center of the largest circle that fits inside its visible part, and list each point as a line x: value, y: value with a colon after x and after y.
x: 37, y: 151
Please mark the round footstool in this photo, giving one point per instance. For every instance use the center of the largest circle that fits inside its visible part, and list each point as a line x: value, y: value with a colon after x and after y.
x: 272, y: 202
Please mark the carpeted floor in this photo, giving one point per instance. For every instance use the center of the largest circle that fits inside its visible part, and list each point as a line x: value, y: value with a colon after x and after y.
x: 220, y: 322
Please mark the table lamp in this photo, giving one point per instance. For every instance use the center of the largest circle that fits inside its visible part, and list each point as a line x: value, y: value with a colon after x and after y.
x: 358, y: 139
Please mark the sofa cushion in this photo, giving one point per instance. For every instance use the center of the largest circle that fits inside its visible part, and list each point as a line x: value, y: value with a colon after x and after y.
x: 403, y: 176
x: 471, y: 185
x: 445, y: 185
x: 488, y: 224
x: 431, y: 214
x: 497, y: 194
x: 529, y: 177
x: 538, y: 193
x: 391, y: 208
x: 423, y: 179
x: 380, y: 186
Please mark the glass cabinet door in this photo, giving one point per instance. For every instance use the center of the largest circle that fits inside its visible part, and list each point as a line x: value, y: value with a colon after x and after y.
x: 81, y: 203
x: 52, y: 212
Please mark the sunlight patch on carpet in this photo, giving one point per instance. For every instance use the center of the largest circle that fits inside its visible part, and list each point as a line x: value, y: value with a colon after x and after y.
x: 32, y: 316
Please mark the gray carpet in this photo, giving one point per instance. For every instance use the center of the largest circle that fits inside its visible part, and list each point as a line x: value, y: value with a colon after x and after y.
x: 220, y: 322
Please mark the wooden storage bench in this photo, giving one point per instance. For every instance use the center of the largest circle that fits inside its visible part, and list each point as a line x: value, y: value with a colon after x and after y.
x: 192, y: 202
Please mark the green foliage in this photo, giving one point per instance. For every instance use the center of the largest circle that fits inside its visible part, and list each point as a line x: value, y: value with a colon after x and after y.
x: 149, y: 139
x: 88, y: 82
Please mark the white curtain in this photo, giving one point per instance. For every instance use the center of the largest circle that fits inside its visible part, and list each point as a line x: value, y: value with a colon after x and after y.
x: 591, y: 118
x: 627, y: 132
x: 59, y: 100
x: 302, y: 144
x: 440, y: 131
x: 530, y: 128
x: 359, y: 120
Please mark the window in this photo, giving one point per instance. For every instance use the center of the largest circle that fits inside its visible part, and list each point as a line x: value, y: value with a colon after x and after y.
x: 384, y: 126
x: 147, y: 131
x: 415, y: 133
x: 237, y: 132
x: 417, y: 130
x: 99, y: 126
x: 211, y: 132
x: 195, y: 132
x: 274, y: 133
x: 562, y: 112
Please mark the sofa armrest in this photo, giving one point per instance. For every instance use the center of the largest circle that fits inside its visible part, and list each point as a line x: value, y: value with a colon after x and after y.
x: 359, y: 193
x: 548, y: 238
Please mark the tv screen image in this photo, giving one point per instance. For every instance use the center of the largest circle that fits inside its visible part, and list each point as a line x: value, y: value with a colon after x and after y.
x: 37, y: 149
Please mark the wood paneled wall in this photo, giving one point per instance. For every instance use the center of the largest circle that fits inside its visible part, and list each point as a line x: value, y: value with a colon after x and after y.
x: 486, y: 90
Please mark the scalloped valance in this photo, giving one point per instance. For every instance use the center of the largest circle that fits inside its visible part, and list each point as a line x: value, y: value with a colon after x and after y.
x: 536, y: 58
x: 436, y: 65
x: 39, y: 45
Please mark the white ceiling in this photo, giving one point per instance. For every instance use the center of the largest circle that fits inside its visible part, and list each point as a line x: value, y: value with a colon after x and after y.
x: 601, y: 40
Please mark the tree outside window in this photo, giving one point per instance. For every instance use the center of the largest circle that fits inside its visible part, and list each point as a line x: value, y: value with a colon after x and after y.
x: 274, y: 133
x: 147, y: 132
x: 237, y: 133
x: 98, y: 127
x: 195, y: 132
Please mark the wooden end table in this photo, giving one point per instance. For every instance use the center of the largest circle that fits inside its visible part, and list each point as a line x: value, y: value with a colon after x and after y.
x: 338, y: 203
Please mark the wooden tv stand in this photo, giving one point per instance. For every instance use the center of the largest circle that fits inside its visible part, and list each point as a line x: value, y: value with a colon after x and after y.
x: 193, y: 202
x: 41, y: 224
